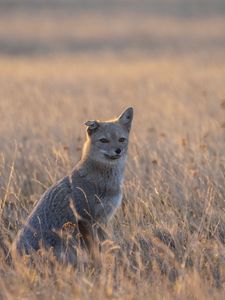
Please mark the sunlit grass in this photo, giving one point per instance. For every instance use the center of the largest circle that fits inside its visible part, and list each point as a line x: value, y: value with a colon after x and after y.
x: 167, y: 239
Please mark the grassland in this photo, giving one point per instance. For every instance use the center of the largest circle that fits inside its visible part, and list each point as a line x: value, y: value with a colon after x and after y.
x: 167, y: 241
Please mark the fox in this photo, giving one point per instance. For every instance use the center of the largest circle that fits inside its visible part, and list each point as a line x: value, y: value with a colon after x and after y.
x: 86, y: 199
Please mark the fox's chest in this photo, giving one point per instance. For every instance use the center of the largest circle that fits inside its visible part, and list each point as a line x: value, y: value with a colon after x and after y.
x: 107, y: 206
x: 114, y: 201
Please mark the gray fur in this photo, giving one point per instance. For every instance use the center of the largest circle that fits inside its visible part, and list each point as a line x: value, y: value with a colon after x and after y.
x: 86, y: 198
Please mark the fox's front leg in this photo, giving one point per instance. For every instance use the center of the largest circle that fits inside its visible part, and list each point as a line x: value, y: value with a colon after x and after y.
x: 89, y: 239
x: 102, y: 234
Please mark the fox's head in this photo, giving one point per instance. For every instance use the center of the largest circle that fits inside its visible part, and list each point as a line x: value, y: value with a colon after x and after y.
x: 107, y: 142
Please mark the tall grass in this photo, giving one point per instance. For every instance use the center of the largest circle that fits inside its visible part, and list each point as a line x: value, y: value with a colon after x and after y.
x: 167, y: 241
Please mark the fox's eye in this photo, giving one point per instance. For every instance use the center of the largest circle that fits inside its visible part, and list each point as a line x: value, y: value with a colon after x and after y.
x: 122, y: 139
x: 103, y: 140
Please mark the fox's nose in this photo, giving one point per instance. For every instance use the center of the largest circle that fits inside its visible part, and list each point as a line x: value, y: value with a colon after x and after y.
x: 118, y: 151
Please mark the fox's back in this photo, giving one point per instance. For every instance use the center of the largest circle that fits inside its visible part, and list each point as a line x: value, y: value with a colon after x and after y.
x: 49, y: 214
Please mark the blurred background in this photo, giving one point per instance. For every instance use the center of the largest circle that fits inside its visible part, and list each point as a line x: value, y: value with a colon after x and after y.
x: 62, y: 62
x: 154, y: 27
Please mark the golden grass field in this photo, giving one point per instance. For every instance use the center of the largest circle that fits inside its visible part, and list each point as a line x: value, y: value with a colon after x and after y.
x: 58, y: 69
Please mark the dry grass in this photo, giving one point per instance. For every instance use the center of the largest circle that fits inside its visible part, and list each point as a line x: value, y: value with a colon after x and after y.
x: 168, y: 238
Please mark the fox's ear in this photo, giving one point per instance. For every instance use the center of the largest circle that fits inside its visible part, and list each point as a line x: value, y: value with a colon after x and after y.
x: 91, y: 126
x: 126, y: 118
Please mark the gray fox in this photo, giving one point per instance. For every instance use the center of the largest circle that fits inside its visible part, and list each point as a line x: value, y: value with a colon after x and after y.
x: 85, y: 199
